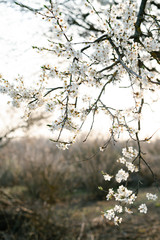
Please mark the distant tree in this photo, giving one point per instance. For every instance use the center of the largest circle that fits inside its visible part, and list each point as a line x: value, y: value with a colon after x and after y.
x: 96, y: 46
x: 8, y: 133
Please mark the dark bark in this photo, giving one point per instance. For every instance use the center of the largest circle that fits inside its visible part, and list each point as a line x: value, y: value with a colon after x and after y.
x: 139, y: 19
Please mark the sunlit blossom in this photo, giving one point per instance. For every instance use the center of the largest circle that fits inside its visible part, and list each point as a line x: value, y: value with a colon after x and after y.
x: 143, y: 208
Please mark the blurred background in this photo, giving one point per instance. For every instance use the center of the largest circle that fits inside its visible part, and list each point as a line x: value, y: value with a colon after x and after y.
x: 47, y: 194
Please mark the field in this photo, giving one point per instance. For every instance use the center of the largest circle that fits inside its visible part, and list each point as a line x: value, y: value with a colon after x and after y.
x: 46, y: 194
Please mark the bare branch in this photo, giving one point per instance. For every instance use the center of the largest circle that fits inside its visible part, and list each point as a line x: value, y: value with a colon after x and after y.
x: 28, y: 7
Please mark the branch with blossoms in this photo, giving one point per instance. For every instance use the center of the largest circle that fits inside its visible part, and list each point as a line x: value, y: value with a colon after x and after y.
x: 118, y: 46
x: 123, y: 195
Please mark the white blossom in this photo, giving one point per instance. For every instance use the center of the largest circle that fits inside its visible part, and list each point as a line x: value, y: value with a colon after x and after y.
x: 121, y: 176
x: 131, y: 167
x: 101, y: 149
x: 121, y: 160
x: 125, y: 195
x: 118, y: 208
x: 62, y: 146
x: 107, y: 177
x: 128, y: 210
x: 129, y: 152
x: 151, y: 196
x: 110, y: 194
x: 117, y: 220
x: 109, y: 214
x: 143, y: 208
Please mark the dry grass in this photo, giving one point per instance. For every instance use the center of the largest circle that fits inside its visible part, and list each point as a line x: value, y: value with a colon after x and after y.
x: 47, y: 194
x: 50, y: 174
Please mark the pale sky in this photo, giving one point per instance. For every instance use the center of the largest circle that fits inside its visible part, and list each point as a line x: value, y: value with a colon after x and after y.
x: 20, y: 30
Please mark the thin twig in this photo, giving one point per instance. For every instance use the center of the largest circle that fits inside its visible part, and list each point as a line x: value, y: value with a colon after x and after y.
x: 81, y: 231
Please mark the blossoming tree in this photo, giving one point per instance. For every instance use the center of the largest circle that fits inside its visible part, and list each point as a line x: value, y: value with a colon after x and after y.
x: 113, y: 44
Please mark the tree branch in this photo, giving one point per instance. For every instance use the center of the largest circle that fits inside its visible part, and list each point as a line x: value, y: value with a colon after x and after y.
x: 27, y: 7
x: 139, y: 20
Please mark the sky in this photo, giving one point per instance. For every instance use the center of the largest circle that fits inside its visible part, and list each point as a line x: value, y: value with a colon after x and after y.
x: 20, y: 30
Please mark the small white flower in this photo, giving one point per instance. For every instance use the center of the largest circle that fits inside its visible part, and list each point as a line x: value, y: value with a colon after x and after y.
x: 125, y: 195
x: 107, y: 177
x: 110, y: 194
x: 131, y: 167
x: 117, y: 220
x: 62, y: 146
x: 131, y: 199
x: 101, y: 149
x: 129, y: 152
x: 109, y: 214
x: 143, y: 208
x: 121, y: 175
x: 128, y: 210
x: 151, y: 196
x: 121, y: 160
x: 118, y: 208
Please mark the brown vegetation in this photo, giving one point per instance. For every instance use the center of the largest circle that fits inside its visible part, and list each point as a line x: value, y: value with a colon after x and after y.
x: 49, y: 194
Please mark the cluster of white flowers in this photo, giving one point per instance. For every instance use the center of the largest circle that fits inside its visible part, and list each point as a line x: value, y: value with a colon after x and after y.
x: 121, y: 176
x: 129, y: 152
x: 124, y: 195
x: 130, y: 166
x: 110, y: 194
x: 62, y: 146
x: 151, y: 196
x: 143, y: 208
x: 110, y: 214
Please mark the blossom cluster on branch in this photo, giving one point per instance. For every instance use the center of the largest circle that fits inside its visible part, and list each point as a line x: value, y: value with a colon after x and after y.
x: 122, y: 194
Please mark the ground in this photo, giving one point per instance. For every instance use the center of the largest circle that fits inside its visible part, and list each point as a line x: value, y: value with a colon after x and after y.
x: 78, y: 218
